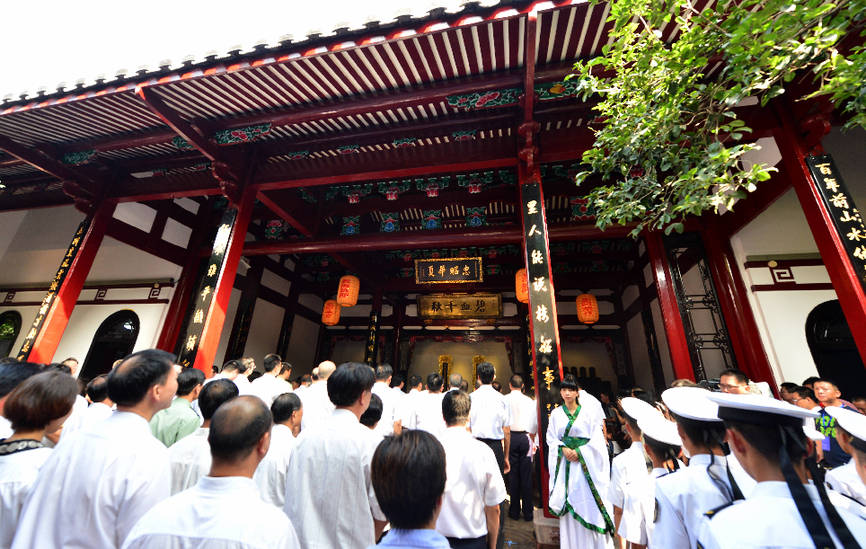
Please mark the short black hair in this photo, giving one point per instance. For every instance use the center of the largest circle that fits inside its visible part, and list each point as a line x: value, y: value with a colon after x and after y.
x: 809, y: 380
x: 825, y: 380
x: 767, y: 440
x: 348, y: 383
x: 60, y: 367
x: 236, y: 428
x: 215, y: 393
x: 486, y: 372
x: 12, y: 373
x: 414, y: 381
x: 130, y: 381
x: 383, y: 372
x: 271, y: 361
x: 232, y: 366
x: 39, y: 400
x: 408, y: 476
x: 710, y: 434
x: 737, y: 374
x: 306, y: 378
x: 397, y: 379
x: 373, y: 413
x: 188, y: 379
x: 516, y: 381
x: 285, y: 367
x: 496, y: 386
x: 97, y: 388
x: 455, y: 407
x: 788, y: 386
x: 805, y: 392
x: 434, y: 383
x: 284, y: 406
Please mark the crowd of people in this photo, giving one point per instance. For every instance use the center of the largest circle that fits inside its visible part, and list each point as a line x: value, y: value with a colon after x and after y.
x: 353, y: 456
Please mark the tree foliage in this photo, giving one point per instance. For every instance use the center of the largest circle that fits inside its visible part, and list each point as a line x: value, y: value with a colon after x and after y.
x: 670, y: 142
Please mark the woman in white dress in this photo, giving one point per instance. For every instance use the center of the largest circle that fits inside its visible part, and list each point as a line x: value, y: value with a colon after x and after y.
x: 579, y: 473
x: 39, y: 405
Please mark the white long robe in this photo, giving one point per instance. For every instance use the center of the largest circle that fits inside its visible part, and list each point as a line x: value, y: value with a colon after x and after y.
x: 217, y: 513
x: 270, y: 477
x: 18, y: 471
x: 577, y: 494
x: 95, y: 486
x: 329, y: 494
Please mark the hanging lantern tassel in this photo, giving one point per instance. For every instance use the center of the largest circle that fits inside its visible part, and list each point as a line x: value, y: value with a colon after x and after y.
x: 587, y: 308
x: 347, y: 291
x: 330, y: 313
x: 521, y: 286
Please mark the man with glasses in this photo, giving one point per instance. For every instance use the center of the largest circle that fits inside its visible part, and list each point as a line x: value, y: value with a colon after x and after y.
x: 734, y: 382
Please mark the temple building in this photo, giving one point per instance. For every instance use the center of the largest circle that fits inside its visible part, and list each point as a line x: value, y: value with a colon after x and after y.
x: 213, y: 208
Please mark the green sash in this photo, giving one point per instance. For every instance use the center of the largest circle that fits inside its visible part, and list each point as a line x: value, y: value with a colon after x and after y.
x: 574, y: 443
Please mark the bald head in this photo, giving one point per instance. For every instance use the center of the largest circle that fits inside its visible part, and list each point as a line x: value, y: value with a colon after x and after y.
x: 237, y: 427
x: 326, y: 368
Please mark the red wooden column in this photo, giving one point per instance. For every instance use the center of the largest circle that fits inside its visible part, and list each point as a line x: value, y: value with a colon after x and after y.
x: 734, y: 301
x: 201, y: 337
x: 673, y: 321
x: 832, y: 250
x: 44, y: 335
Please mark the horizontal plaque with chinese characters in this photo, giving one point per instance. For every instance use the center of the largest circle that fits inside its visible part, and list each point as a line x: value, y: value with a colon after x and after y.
x: 839, y: 203
x: 449, y: 270
x: 459, y: 306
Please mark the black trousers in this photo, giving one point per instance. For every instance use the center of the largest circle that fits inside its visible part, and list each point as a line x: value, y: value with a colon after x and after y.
x: 520, y: 477
x: 464, y: 543
x: 496, y: 446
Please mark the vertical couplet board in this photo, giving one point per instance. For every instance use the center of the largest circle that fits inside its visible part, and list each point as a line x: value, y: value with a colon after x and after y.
x: 201, y: 300
x: 372, y: 339
x: 543, y: 327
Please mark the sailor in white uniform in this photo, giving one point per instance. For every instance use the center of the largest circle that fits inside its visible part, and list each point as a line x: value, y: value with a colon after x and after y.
x: 684, y: 496
x: 784, y: 509
x: 850, y: 479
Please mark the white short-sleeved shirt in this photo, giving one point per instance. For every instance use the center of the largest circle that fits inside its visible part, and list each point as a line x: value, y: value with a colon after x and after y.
x: 317, y: 405
x: 268, y: 388
x: 329, y: 494
x: 101, y: 480
x: 524, y: 414
x: 19, y: 464
x: 626, y: 468
x: 473, y: 482
x: 428, y: 413
x: 270, y: 476
x: 846, y: 481
x: 189, y: 459
x: 389, y: 404
x: 489, y: 414
x: 217, y: 513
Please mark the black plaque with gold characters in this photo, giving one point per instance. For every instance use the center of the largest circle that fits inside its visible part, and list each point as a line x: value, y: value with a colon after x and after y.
x: 53, y: 288
x: 839, y: 203
x: 203, y: 297
x: 448, y: 270
x: 459, y: 306
x: 370, y: 351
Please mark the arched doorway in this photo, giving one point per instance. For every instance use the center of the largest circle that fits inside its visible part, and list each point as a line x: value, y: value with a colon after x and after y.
x: 834, y: 350
x: 114, y: 339
x: 10, y: 325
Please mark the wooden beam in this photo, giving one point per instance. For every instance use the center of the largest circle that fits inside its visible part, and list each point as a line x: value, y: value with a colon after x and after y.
x: 42, y: 161
x: 188, y: 131
x: 137, y: 238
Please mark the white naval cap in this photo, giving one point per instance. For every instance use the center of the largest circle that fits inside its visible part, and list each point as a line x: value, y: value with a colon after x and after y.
x: 759, y: 410
x: 637, y: 408
x: 853, y: 422
x: 810, y: 430
x: 658, y: 428
x: 691, y: 403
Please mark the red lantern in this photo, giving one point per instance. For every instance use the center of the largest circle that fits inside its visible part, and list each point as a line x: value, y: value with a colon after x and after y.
x: 330, y: 313
x: 521, y: 286
x: 587, y: 308
x: 347, y: 291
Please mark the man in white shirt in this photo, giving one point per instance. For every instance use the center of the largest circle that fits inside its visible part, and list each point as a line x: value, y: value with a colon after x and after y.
x: 427, y: 407
x: 207, y: 515
x: 12, y: 373
x: 388, y: 423
x: 100, y: 405
x: 189, y: 458
x: 100, y: 481
x: 269, y: 386
x: 317, y: 405
x: 234, y: 371
x: 523, y: 428
x: 406, y: 411
x: 850, y: 479
x: 474, y: 489
x: 329, y: 495
x: 270, y: 477
x: 455, y: 381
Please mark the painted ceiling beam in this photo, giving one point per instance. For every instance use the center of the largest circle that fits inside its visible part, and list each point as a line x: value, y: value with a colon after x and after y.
x: 42, y: 161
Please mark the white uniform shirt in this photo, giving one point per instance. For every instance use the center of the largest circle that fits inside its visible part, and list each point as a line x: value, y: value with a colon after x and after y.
x: 428, y: 413
x: 407, y: 410
x: 489, y: 413
x: 329, y: 495
x: 268, y: 388
x: 385, y: 426
x: 18, y: 472
x: 93, y: 414
x: 270, y: 475
x: 317, y: 405
x: 473, y: 482
x: 846, y: 481
x: 189, y: 459
x: 628, y: 468
x: 769, y: 518
x: 218, y: 513
x: 523, y: 413
x: 683, y: 497
x: 95, y: 486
